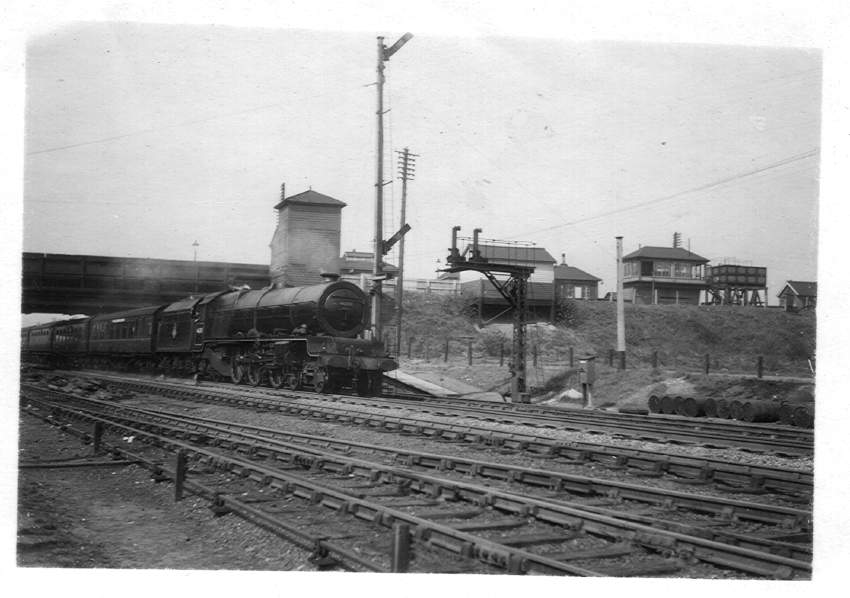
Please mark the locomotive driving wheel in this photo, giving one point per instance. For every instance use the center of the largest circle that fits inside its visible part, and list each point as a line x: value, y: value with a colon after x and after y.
x: 276, y: 378
x: 254, y: 374
x: 237, y: 371
x: 293, y: 381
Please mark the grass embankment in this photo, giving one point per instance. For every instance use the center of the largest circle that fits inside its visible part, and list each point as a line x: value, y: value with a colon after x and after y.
x: 682, y: 335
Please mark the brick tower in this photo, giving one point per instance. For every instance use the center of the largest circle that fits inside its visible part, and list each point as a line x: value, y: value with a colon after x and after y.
x: 307, y: 238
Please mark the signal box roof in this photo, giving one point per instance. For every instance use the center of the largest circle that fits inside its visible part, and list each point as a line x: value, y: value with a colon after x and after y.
x: 311, y: 198
x: 676, y: 254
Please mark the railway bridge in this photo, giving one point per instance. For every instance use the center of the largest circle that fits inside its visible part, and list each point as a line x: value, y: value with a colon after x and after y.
x: 93, y: 284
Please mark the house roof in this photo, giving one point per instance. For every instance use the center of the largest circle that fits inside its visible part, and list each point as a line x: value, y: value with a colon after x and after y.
x: 802, y: 288
x: 310, y: 197
x: 565, y: 272
x: 513, y: 253
x: 665, y: 253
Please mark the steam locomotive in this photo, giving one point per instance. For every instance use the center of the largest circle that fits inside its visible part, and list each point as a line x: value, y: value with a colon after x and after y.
x: 296, y: 337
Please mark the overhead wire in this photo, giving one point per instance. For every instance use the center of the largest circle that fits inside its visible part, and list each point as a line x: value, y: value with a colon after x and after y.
x: 678, y: 194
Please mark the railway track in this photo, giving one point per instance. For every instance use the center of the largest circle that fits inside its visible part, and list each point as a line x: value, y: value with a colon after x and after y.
x: 700, y: 425
x: 538, y: 528
x: 759, y: 438
x: 771, y: 439
x: 722, y: 474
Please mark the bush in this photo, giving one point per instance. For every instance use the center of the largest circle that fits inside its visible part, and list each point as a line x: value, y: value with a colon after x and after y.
x: 566, y: 312
x: 491, y: 342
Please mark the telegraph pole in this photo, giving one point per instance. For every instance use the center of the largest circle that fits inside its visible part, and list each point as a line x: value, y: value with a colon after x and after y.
x: 384, y: 55
x: 621, y: 321
x: 407, y: 170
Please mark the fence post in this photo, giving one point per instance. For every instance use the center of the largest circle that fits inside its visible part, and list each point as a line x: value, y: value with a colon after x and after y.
x: 655, y: 360
x: 427, y: 356
x: 97, y: 436
x: 572, y: 357
x: 611, y: 357
x: 401, y: 548
x: 760, y: 366
x: 707, y: 363
x: 446, y: 352
x: 501, y: 354
x: 409, y: 345
x: 179, y: 474
x: 469, y: 352
x: 534, y: 354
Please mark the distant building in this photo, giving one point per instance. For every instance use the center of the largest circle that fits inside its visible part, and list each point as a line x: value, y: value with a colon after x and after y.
x: 656, y: 275
x: 798, y: 294
x: 356, y: 266
x: 572, y: 283
x: 306, y: 240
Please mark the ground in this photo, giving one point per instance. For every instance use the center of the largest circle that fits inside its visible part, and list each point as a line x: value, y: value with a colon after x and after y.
x: 114, y: 516
x: 612, y: 388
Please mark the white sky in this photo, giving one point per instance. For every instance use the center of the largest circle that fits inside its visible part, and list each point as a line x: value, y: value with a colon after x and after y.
x: 560, y: 123
x: 142, y: 138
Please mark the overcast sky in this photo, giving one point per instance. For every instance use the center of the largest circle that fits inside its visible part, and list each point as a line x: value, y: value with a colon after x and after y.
x: 142, y: 138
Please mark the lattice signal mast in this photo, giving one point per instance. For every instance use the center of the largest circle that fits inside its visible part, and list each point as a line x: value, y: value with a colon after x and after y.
x: 514, y: 289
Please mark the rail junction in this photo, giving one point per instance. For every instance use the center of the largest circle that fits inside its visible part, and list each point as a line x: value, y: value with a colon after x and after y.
x: 490, y: 512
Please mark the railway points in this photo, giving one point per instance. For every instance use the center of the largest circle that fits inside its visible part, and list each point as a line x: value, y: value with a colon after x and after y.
x: 600, y: 523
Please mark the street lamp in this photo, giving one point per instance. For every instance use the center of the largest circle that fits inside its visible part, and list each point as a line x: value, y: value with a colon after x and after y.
x: 195, y: 245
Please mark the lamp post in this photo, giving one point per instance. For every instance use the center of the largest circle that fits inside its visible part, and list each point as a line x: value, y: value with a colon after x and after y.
x: 384, y: 54
x: 195, y: 245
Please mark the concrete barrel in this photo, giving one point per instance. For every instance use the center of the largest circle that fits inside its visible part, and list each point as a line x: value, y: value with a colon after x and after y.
x: 784, y: 413
x: 694, y: 406
x: 668, y: 404
x: 723, y: 408
x: 655, y: 404
x: 709, y: 407
x: 760, y: 411
x: 736, y: 409
x: 679, y: 405
x: 803, y: 416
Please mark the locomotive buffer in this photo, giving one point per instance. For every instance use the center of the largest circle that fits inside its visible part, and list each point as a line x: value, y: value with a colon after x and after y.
x: 514, y: 289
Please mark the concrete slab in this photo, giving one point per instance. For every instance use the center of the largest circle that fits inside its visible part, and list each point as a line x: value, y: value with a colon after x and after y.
x: 439, y: 385
x: 418, y: 383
